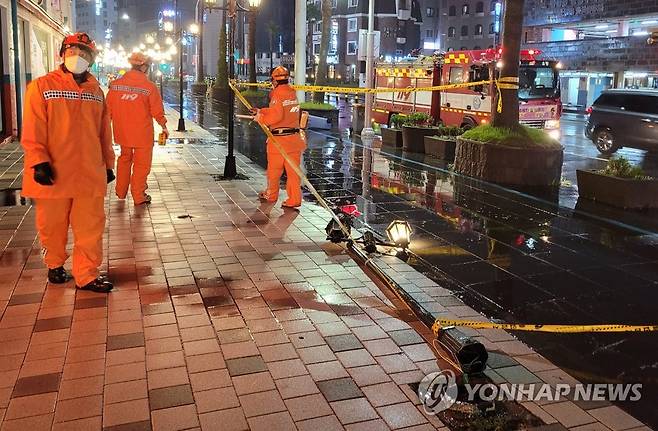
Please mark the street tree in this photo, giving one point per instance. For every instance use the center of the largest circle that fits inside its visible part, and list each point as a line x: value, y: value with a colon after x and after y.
x: 273, y: 29
x: 221, y: 81
x: 325, y: 39
x: 511, y: 45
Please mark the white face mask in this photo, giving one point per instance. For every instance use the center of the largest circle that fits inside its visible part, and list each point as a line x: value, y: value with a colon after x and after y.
x: 76, y: 64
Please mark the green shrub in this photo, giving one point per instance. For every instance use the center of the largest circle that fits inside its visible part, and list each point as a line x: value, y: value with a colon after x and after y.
x: 620, y: 167
x: 397, y: 120
x: 418, y: 119
x: 317, y: 106
x: 524, y: 137
x: 450, y: 132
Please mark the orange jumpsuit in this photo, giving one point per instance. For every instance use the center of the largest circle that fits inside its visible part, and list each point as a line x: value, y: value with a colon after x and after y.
x: 133, y: 102
x: 68, y: 125
x: 283, y: 113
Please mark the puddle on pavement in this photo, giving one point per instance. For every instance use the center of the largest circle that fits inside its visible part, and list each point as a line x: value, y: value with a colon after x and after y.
x: 12, y: 198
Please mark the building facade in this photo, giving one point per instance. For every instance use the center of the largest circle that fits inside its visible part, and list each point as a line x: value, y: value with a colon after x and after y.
x: 97, y: 18
x: 601, y: 44
x: 41, y: 26
x: 404, y: 27
x: 469, y: 24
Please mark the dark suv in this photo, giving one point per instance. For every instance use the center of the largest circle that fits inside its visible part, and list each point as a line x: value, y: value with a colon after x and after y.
x: 624, y: 118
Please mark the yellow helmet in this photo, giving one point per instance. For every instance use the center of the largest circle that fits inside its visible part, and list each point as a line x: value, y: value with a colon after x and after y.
x: 139, y: 59
x: 280, y: 73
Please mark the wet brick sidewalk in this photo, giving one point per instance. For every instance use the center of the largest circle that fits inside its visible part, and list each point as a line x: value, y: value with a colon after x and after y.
x: 227, y: 314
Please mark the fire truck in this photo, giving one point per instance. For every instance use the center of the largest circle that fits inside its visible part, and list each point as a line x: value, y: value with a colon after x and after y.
x: 539, y: 89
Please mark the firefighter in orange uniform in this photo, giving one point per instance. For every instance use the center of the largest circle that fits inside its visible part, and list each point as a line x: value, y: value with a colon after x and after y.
x: 134, y: 101
x: 283, y: 118
x: 69, y: 161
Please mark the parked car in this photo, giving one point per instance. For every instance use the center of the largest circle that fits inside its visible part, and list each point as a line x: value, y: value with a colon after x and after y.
x: 624, y: 118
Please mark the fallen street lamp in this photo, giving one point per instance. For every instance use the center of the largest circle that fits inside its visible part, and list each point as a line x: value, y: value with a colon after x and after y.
x: 399, y: 232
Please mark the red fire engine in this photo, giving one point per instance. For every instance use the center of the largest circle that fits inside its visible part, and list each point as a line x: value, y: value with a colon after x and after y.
x: 539, y: 89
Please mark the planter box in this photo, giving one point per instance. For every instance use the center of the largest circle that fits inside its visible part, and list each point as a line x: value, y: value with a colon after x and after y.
x: 441, y: 148
x: 507, y: 165
x: 392, y: 137
x: 413, y: 138
x: 618, y: 192
x: 332, y: 116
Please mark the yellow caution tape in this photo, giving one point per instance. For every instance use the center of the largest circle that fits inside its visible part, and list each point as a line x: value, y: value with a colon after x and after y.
x: 359, y: 90
x: 505, y: 83
x: 564, y: 329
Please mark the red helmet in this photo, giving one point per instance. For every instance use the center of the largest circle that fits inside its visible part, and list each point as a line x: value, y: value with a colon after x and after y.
x: 139, y: 59
x: 280, y: 73
x: 81, y: 40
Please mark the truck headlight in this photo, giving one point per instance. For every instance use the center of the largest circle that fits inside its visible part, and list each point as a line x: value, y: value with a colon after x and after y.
x: 555, y: 134
x: 552, y: 124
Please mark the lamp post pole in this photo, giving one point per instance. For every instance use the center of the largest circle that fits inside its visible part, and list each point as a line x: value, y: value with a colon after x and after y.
x: 199, y: 45
x: 179, y: 24
x: 230, y: 170
x: 367, y: 134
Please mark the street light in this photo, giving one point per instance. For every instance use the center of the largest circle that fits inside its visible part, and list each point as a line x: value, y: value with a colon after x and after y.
x: 194, y: 28
x: 125, y: 17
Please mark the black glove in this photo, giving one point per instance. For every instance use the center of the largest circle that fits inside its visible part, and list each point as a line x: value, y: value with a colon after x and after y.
x: 110, y: 176
x: 43, y: 174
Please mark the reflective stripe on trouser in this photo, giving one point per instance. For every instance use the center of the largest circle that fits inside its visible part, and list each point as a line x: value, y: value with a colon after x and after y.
x: 86, y: 217
x: 275, y: 166
x: 133, y: 169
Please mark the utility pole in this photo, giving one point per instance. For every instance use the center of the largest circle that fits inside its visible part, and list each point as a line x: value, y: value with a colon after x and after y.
x: 179, y: 23
x: 230, y: 169
x: 300, y: 47
x: 367, y: 131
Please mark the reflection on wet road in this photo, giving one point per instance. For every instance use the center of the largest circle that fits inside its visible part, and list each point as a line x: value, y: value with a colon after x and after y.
x: 516, y: 256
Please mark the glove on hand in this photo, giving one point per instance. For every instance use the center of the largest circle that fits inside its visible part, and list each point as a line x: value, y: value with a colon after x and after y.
x: 110, y: 176
x: 43, y: 174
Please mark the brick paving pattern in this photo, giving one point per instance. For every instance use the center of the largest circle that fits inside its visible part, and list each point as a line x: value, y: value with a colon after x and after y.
x: 227, y: 314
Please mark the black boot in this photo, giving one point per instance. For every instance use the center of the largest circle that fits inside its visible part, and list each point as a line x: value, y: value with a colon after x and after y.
x: 58, y: 275
x: 99, y: 285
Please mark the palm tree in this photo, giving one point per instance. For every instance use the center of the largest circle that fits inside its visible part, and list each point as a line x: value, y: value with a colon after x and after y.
x: 325, y: 38
x: 252, y: 45
x: 273, y: 29
x: 511, y: 43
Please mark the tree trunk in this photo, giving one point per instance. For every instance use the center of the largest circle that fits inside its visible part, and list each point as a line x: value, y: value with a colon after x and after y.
x: 325, y: 40
x: 252, y: 46
x: 511, y: 44
x: 222, y: 65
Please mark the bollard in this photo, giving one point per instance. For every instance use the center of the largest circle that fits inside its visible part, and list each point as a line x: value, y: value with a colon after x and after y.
x: 367, y: 136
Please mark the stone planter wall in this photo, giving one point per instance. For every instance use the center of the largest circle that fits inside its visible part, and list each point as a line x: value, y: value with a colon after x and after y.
x: 441, y: 148
x: 506, y: 165
x: 391, y: 137
x: 618, y: 192
x: 413, y: 138
x: 332, y: 116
